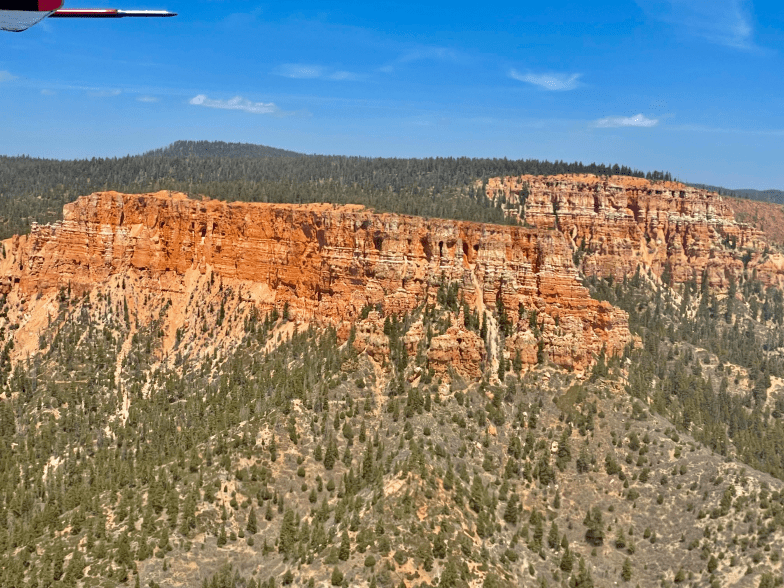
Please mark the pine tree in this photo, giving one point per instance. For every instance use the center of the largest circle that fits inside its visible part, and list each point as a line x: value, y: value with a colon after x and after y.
x: 273, y: 449
x: 620, y: 539
x: 173, y: 506
x: 713, y: 563
x: 566, y: 561
x: 188, y: 518
x: 155, y: 497
x: 124, y: 557
x: 345, y: 547
x: 537, y: 520
x: 331, y: 454
x: 367, y: 464
x: 583, y: 579
x: 288, y: 532
x: 477, y: 496
x: 76, y: 567
x: 163, y: 543
x: 626, y: 572
x: 512, y: 510
x: 593, y: 520
x: 553, y: 538
x: 439, y: 546
x: 252, y: 524
x: 449, y: 576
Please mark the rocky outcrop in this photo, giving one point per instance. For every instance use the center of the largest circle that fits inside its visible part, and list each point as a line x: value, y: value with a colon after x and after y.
x: 325, y: 263
x: 615, y: 224
x: 369, y: 337
x: 457, y: 349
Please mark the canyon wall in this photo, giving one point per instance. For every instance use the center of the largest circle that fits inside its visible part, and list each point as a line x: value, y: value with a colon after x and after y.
x: 615, y: 224
x: 325, y: 262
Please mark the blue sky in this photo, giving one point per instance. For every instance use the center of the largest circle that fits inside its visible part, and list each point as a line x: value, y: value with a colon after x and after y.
x: 691, y: 86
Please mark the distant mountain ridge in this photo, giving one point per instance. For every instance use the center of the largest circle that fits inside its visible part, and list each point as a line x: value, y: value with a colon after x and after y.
x: 774, y: 196
x: 220, y: 149
x: 253, y: 150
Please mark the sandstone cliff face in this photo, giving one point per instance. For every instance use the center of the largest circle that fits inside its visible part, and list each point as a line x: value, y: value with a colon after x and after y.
x: 369, y: 337
x: 617, y: 223
x: 325, y: 262
x: 460, y: 349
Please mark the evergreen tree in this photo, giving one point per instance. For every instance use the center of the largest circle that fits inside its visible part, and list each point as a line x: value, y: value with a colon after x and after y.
x: 331, y: 454
x: 512, y: 510
x: 583, y: 578
x: 123, y: 556
x: 439, y: 546
x: 288, y: 533
x: 566, y: 561
x: 251, y: 526
x: 450, y: 575
x: 477, y: 495
x: 595, y: 532
x: 626, y: 572
x: 273, y: 449
x: 188, y: 517
x: 345, y: 547
x: 553, y: 537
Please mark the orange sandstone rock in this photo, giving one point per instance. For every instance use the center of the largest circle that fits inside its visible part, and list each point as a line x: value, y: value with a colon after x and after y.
x: 617, y: 223
x: 369, y: 337
x: 327, y: 262
x: 459, y: 349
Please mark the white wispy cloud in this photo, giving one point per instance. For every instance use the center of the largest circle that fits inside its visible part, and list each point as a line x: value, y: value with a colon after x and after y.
x: 430, y: 53
x: 341, y: 76
x: 47, y: 92
x: 724, y: 22
x: 300, y: 71
x: 236, y: 103
x: 104, y: 93
x: 304, y: 71
x: 147, y: 99
x: 638, y: 120
x: 424, y: 53
x: 548, y: 81
x: 6, y: 76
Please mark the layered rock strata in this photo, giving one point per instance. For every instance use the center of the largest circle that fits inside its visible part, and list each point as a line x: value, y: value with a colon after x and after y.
x: 325, y: 263
x: 615, y: 224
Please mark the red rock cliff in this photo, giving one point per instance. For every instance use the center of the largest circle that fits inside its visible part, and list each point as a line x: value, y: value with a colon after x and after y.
x: 617, y: 223
x: 327, y: 262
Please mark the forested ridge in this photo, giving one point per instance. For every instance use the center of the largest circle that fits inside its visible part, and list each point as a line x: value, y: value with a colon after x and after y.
x: 774, y: 196
x: 219, y: 149
x: 36, y: 189
x: 33, y: 189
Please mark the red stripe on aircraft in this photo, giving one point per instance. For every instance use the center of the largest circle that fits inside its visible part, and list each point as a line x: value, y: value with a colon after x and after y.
x: 49, y: 5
